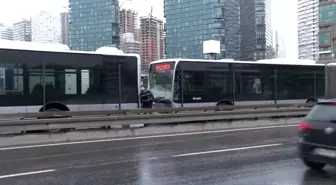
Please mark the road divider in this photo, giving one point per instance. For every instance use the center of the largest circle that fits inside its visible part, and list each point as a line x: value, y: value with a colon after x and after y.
x: 60, y: 114
x: 107, y: 119
x: 66, y: 139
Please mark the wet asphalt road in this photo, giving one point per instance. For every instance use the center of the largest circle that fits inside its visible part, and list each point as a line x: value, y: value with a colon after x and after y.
x: 253, y: 157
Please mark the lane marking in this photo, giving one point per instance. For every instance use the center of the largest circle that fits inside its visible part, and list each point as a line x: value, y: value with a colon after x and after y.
x: 144, y: 137
x: 227, y: 150
x: 27, y: 173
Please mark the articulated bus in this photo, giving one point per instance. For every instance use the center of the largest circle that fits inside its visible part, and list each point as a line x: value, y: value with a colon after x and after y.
x: 190, y: 83
x: 43, y: 77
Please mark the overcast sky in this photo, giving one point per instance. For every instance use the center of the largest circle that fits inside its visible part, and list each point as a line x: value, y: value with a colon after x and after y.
x: 284, y: 14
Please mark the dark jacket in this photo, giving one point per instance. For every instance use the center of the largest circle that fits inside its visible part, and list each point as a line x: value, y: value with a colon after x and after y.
x: 146, y: 99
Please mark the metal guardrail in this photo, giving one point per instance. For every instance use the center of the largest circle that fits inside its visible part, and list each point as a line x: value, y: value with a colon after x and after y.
x: 90, y: 119
x: 61, y: 114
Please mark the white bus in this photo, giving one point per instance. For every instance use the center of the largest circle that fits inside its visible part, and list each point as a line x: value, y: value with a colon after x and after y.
x: 42, y: 77
x: 190, y: 82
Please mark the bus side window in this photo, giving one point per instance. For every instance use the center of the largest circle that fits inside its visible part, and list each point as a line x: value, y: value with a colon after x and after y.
x: 220, y: 82
x: 304, y: 85
x: 194, y: 81
x: 248, y: 83
x: 11, y: 91
x: 288, y: 84
x: 320, y: 83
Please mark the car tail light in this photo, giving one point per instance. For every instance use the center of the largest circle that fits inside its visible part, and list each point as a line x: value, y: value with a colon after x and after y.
x: 326, y: 103
x: 304, y: 127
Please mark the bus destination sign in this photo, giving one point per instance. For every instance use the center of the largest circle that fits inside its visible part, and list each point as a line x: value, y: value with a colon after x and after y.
x: 163, y: 67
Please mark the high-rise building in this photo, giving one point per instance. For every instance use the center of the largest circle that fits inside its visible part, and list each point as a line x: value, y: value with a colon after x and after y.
x: 22, y: 31
x: 6, y: 32
x: 137, y: 34
x: 164, y: 39
x: 128, y: 44
x: 280, y: 47
x: 256, y: 29
x: 46, y: 27
x: 308, y: 28
x: 327, y: 30
x: 93, y: 24
x: 151, y: 39
x: 65, y: 28
x: 189, y: 23
x: 128, y: 22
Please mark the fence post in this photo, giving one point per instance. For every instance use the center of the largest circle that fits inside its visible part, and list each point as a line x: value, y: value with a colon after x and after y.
x: 275, y: 87
x: 314, y: 84
x: 182, y: 88
x: 43, y: 86
x: 119, y: 85
x: 233, y: 85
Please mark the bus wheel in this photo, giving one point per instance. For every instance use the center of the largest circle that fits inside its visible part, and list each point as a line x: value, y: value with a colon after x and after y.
x: 224, y: 104
x: 53, y: 110
x: 50, y: 110
x: 310, y: 103
x: 55, y: 106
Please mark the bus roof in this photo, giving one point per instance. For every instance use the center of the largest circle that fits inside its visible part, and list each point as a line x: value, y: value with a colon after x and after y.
x: 33, y: 46
x: 287, y: 61
x: 267, y: 61
x: 56, y: 47
x: 331, y: 64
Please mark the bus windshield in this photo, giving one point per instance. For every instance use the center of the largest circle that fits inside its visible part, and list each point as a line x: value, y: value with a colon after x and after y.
x: 161, y: 80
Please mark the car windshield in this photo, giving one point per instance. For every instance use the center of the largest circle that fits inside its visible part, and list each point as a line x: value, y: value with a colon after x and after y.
x: 322, y: 113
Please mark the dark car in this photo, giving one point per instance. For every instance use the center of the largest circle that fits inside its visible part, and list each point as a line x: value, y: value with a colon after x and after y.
x: 317, y: 145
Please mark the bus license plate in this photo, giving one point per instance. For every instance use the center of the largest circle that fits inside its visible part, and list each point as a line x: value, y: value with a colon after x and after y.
x: 325, y: 152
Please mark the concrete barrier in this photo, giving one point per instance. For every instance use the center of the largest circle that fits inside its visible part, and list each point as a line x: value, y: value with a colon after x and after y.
x: 157, y: 130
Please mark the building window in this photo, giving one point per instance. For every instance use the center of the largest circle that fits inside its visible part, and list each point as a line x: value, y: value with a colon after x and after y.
x: 324, y: 38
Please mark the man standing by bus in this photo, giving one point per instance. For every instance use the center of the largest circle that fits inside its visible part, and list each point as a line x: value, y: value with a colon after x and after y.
x: 146, y: 98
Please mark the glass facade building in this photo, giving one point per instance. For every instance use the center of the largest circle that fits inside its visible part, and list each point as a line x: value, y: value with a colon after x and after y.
x: 327, y: 30
x: 190, y: 22
x: 93, y: 24
x: 308, y: 26
x: 65, y: 28
x: 256, y: 29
